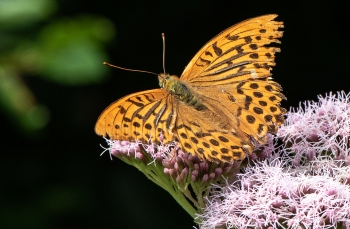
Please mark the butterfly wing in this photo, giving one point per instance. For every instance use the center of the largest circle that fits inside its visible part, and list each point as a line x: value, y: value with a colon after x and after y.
x: 198, y: 133
x: 231, y: 76
x: 139, y: 116
x: 236, y: 54
x: 254, y: 103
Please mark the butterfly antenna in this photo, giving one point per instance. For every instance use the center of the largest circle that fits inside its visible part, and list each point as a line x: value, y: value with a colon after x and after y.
x: 128, y: 69
x: 163, y: 37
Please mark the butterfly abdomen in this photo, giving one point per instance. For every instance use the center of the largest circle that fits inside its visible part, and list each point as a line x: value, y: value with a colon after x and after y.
x: 181, y: 92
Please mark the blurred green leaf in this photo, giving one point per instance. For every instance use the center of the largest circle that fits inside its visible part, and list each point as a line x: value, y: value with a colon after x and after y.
x: 18, y: 13
x: 72, y: 51
x: 19, y: 102
x: 68, y: 51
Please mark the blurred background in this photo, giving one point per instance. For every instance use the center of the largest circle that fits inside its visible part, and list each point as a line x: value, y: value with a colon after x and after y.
x: 53, y: 86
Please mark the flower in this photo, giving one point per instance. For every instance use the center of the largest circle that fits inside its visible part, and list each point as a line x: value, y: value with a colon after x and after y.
x: 304, y: 183
x: 169, y: 167
x: 269, y: 195
x: 319, y: 129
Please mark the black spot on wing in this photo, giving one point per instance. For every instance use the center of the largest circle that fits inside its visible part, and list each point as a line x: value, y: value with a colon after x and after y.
x: 217, y: 50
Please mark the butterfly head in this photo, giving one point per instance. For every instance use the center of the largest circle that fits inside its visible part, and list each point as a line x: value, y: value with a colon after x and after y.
x: 166, y: 80
x: 162, y: 79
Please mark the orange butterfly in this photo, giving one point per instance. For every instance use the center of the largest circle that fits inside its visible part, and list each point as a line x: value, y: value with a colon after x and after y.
x: 224, y: 99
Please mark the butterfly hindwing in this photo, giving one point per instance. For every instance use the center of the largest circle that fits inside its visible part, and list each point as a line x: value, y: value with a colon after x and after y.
x: 257, y: 108
x: 198, y: 132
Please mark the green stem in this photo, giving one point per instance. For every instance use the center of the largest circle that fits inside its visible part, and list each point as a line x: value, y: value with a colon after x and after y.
x: 181, y: 199
x: 155, y: 173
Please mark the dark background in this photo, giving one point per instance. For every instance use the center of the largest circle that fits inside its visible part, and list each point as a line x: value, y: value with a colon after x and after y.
x: 57, y: 178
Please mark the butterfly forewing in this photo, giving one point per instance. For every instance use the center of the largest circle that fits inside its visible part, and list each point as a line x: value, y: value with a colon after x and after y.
x: 229, y: 53
x: 139, y: 116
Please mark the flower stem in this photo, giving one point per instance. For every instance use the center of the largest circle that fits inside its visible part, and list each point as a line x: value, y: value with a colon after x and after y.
x: 155, y: 173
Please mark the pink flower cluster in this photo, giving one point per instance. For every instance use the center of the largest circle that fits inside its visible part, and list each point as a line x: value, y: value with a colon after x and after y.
x: 185, y: 166
x: 319, y: 129
x: 169, y: 167
x: 267, y: 195
x: 177, y: 164
x: 311, y: 192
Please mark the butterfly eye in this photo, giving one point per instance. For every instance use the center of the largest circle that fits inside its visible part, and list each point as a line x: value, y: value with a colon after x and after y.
x: 162, y: 80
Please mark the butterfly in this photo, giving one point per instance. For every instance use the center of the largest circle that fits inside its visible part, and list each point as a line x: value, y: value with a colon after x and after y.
x: 223, y: 103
